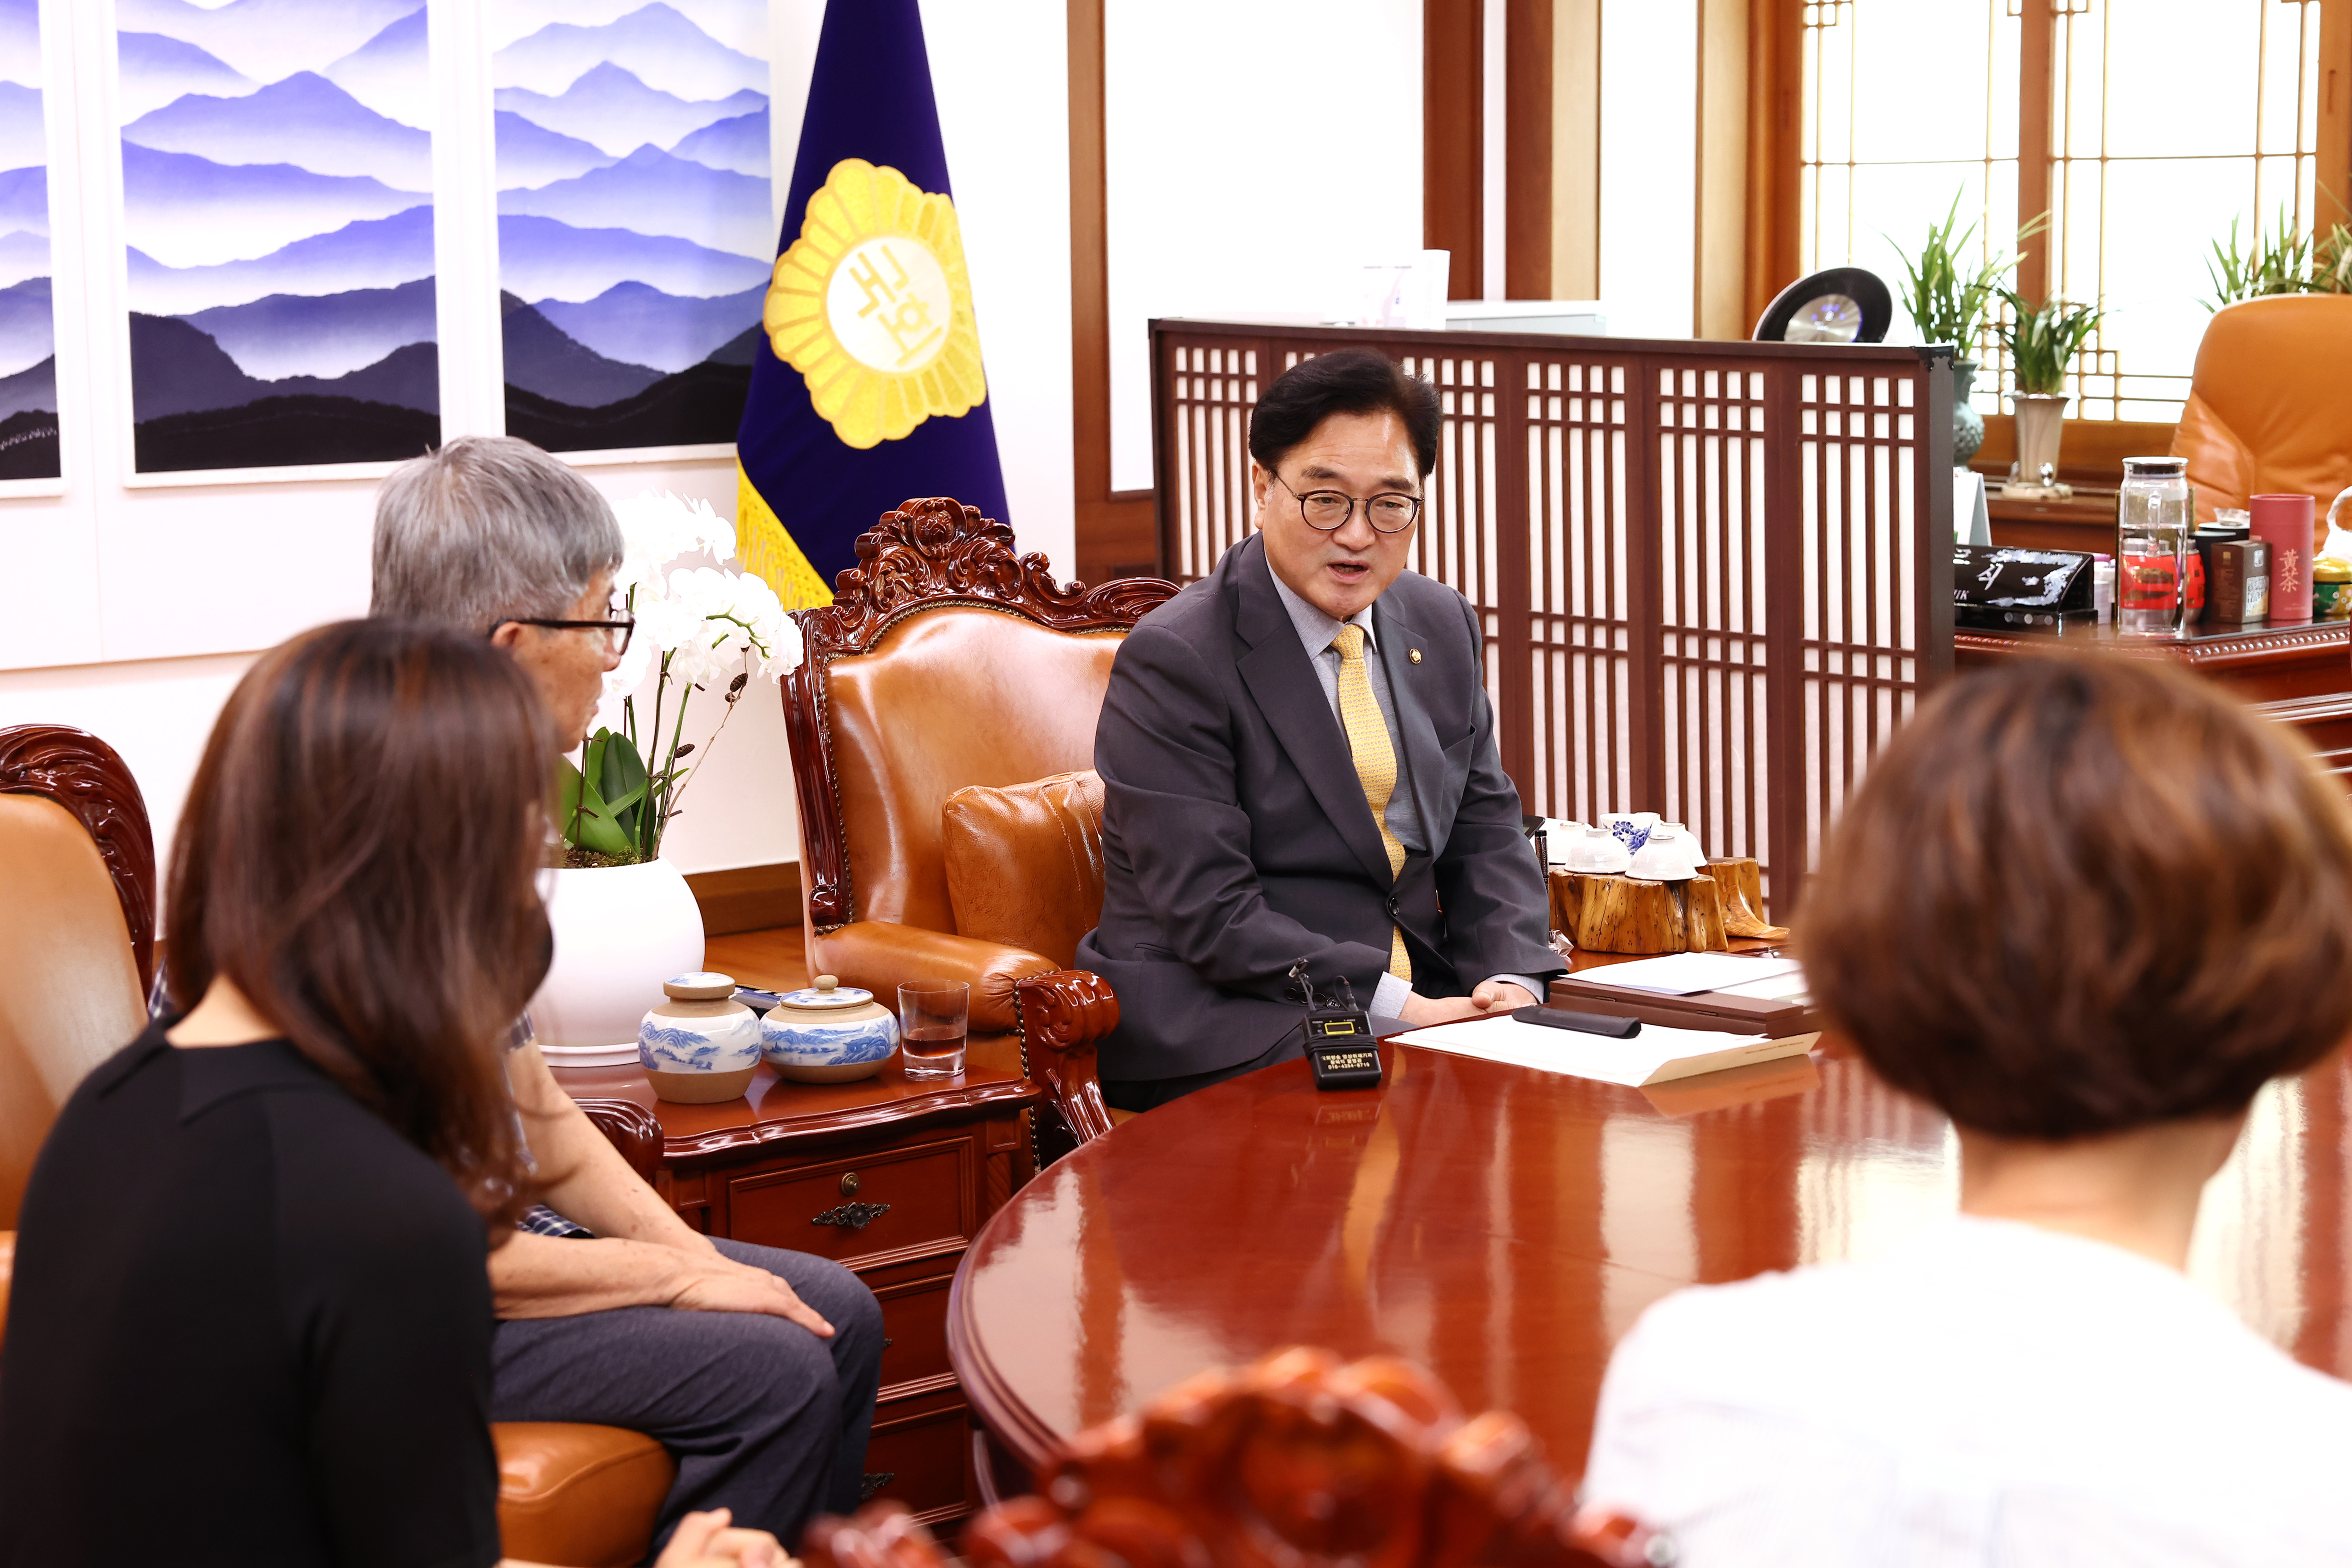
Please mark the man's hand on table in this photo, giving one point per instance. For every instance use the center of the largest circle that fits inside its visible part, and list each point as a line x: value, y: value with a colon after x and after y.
x: 1488, y: 997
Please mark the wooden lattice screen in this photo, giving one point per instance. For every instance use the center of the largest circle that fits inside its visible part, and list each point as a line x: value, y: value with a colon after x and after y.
x: 1707, y: 571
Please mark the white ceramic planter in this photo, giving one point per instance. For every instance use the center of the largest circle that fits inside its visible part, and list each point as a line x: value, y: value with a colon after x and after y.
x: 2039, y: 426
x: 620, y: 932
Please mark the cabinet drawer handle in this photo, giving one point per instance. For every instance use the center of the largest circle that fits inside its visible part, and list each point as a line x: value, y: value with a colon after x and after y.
x: 852, y: 1217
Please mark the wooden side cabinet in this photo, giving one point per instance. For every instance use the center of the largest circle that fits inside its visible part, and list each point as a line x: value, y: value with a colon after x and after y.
x: 891, y: 1177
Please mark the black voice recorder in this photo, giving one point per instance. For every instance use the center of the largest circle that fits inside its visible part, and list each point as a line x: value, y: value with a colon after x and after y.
x: 1337, y: 1034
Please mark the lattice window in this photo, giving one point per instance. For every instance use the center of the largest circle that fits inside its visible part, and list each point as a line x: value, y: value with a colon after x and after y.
x: 2165, y: 119
x: 2172, y: 118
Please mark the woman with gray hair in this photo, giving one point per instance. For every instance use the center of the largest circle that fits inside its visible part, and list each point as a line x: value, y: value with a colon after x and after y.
x: 756, y: 1367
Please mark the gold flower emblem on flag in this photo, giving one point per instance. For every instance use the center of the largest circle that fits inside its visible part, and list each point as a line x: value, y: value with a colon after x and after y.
x: 872, y: 305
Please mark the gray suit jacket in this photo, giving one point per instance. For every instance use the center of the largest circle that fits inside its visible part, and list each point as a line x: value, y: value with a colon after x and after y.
x: 1236, y: 840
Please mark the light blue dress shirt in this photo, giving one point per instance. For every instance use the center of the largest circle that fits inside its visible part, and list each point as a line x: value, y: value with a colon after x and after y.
x: 1317, y: 632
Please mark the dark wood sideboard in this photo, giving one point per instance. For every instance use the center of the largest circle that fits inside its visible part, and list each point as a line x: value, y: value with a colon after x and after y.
x: 2299, y: 673
x: 892, y: 1177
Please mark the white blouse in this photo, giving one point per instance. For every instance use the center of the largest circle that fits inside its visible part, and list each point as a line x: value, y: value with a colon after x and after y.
x: 1989, y: 1393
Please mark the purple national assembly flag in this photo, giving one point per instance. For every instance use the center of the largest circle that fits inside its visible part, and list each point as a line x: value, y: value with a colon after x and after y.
x: 869, y: 388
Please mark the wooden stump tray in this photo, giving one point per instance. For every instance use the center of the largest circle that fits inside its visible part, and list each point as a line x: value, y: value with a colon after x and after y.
x: 1602, y: 912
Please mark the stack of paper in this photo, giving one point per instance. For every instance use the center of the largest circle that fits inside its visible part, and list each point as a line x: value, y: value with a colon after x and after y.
x: 1687, y: 973
x: 1656, y: 1055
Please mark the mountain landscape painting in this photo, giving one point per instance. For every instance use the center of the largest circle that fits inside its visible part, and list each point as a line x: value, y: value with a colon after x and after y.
x: 278, y: 211
x: 635, y: 240
x: 28, y: 329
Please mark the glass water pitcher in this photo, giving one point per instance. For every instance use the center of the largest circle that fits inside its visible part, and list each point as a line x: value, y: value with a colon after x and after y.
x: 2154, y: 521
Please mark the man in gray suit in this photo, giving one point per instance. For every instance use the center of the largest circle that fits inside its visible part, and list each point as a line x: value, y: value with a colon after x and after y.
x: 1298, y: 762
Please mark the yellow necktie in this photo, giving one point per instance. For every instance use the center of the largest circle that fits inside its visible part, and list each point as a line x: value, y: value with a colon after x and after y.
x: 1368, y: 738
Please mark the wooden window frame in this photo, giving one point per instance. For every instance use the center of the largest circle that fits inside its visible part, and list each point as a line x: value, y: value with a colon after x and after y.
x: 1747, y: 188
x: 1117, y: 533
x: 1776, y: 90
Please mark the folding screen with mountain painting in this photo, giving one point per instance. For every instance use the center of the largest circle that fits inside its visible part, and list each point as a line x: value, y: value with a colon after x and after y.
x: 634, y: 237
x: 29, y: 332
x: 277, y: 209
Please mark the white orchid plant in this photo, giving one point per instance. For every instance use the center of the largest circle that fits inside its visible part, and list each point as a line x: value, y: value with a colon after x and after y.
x: 710, y: 629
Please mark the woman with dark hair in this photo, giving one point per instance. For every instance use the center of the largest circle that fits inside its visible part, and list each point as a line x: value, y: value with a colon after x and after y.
x: 2087, y: 907
x: 251, y: 1321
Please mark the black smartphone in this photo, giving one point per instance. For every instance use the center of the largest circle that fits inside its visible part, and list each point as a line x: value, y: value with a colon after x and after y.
x: 1583, y: 1023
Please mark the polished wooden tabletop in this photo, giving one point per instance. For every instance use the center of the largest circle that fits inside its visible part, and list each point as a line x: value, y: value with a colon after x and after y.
x: 1505, y: 1227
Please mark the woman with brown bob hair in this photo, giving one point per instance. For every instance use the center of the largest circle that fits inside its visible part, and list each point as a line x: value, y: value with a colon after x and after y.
x: 2087, y: 907
x: 251, y: 1284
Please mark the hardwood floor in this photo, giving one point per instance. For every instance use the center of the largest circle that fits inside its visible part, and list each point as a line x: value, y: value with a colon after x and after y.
x: 773, y: 959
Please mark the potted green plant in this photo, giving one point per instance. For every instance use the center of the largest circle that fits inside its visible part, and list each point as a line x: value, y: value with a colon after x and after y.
x: 2041, y: 341
x: 1949, y: 302
x: 624, y: 920
x: 2286, y: 262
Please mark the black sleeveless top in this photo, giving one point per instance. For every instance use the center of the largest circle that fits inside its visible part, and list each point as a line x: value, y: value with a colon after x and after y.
x: 250, y: 1324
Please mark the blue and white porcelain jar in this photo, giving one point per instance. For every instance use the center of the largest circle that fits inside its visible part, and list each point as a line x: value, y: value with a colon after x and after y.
x: 830, y: 1033
x: 699, y: 1047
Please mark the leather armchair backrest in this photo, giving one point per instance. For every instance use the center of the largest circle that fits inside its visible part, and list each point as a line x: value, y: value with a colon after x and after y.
x: 1025, y: 863
x: 949, y: 697
x: 69, y: 992
x: 2270, y: 403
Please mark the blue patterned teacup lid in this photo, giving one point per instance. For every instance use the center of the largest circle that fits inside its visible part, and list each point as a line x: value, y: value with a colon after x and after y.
x: 1633, y: 829
x: 827, y: 992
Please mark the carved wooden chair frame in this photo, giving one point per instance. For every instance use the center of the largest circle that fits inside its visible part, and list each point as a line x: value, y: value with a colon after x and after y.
x: 935, y: 554
x: 90, y: 779
x: 1298, y: 1460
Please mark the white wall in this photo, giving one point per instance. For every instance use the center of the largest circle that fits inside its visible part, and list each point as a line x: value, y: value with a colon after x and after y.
x: 1259, y: 154
x: 122, y: 613
x: 1649, y: 151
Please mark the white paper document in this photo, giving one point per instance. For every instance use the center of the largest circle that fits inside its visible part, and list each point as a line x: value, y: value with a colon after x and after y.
x: 1686, y: 974
x: 1789, y: 987
x: 1656, y: 1055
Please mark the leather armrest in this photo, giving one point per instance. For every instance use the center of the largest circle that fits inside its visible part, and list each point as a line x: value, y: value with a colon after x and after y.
x: 7, y: 1272
x: 877, y: 955
x: 1062, y: 1015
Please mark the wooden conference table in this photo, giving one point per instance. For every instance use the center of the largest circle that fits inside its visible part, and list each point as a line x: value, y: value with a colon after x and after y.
x: 1505, y: 1227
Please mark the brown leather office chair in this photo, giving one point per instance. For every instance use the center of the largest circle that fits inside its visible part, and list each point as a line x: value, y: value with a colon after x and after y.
x: 2270, y: 403
x: 945, y: 660
x: 76, y: 955
x: 1299, y: 1460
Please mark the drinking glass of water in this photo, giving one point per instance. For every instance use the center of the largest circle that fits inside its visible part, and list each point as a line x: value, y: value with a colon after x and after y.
x: 932, y: 1015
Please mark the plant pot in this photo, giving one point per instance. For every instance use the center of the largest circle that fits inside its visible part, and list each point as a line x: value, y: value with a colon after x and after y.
x: 2039, y: 416
x: 620, y: 932
x: 1967, y: 425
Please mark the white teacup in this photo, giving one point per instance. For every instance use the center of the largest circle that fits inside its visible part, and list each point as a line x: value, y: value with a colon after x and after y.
x: 1667, y: 857
x: 1598, y: 851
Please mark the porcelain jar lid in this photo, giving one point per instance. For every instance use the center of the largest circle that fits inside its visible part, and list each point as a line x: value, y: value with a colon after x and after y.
x: 828, y: 996
x: 701, y: 985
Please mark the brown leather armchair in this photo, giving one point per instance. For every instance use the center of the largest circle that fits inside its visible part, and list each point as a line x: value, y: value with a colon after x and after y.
x: 2270, y: 403
x: 77, y: 956
x: 946, y: 661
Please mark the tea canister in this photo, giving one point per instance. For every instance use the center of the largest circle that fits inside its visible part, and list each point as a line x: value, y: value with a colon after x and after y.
x: 2331, y: 589
x: 699, y: 1047
x: 830, y: 1033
